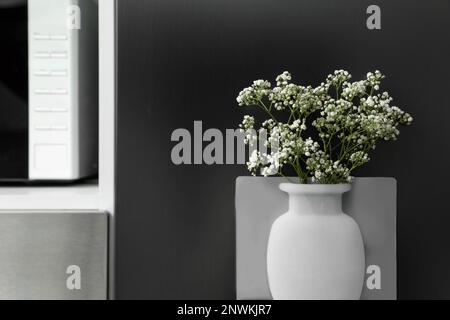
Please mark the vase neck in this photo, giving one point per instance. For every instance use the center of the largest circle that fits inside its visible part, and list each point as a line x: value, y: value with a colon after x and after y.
x: 315, y: 204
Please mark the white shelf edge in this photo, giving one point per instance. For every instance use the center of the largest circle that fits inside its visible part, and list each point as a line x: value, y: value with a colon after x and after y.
x: 63, y: 198
x: 107, y: 103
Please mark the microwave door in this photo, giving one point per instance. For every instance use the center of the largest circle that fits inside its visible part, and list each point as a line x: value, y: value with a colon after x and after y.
x: 48, y: 91
x: 13, y: 90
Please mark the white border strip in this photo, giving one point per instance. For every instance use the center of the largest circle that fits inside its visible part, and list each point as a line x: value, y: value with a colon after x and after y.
x: 107, y: 116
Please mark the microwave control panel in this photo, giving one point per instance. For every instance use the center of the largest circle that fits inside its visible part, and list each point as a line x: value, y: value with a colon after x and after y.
x: 55, y: 68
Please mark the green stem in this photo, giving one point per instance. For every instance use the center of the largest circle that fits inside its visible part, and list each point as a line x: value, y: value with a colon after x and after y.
x: 263, y: 106
x: 289, y: 180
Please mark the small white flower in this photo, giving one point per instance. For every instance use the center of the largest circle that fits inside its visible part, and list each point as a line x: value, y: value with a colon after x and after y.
x: 349, y: 117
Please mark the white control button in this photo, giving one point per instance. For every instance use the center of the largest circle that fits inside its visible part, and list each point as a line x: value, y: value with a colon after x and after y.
x: 42, y: 73
x: 43, y: 128
x: 60, y: 110
x: 51, y: 156
x: 59, y: 92
x: 38, y: 36
x: 59, y: 37
x: 40, y: 109
x: 59, y: 128
x: 59, y: 55
x: 59, y: 73
x: 42, y: 91
x: 42, y: 55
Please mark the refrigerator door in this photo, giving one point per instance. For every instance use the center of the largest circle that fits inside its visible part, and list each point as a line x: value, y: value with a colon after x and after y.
x: 182, y: 61
x: 53, y: 256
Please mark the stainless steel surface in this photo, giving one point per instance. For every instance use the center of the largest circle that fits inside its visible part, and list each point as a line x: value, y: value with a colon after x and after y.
x: 44, y: 254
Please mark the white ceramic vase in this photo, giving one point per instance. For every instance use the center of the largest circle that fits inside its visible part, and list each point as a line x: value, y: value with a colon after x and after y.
x: 315, y: 251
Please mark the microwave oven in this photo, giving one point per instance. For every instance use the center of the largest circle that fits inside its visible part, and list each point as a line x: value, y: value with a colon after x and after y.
x: 48, y: 90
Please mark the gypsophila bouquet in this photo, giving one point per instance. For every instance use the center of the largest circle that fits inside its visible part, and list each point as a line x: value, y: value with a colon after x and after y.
x: 323, y: 133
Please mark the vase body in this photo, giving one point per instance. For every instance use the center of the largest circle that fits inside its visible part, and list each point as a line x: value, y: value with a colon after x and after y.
x: 315, y: 251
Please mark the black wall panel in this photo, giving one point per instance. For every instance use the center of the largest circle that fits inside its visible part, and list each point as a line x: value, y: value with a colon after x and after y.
x: 186, y: 60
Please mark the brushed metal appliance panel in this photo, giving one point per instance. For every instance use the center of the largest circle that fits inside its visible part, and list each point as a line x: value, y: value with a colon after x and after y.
x: 37, y: 250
